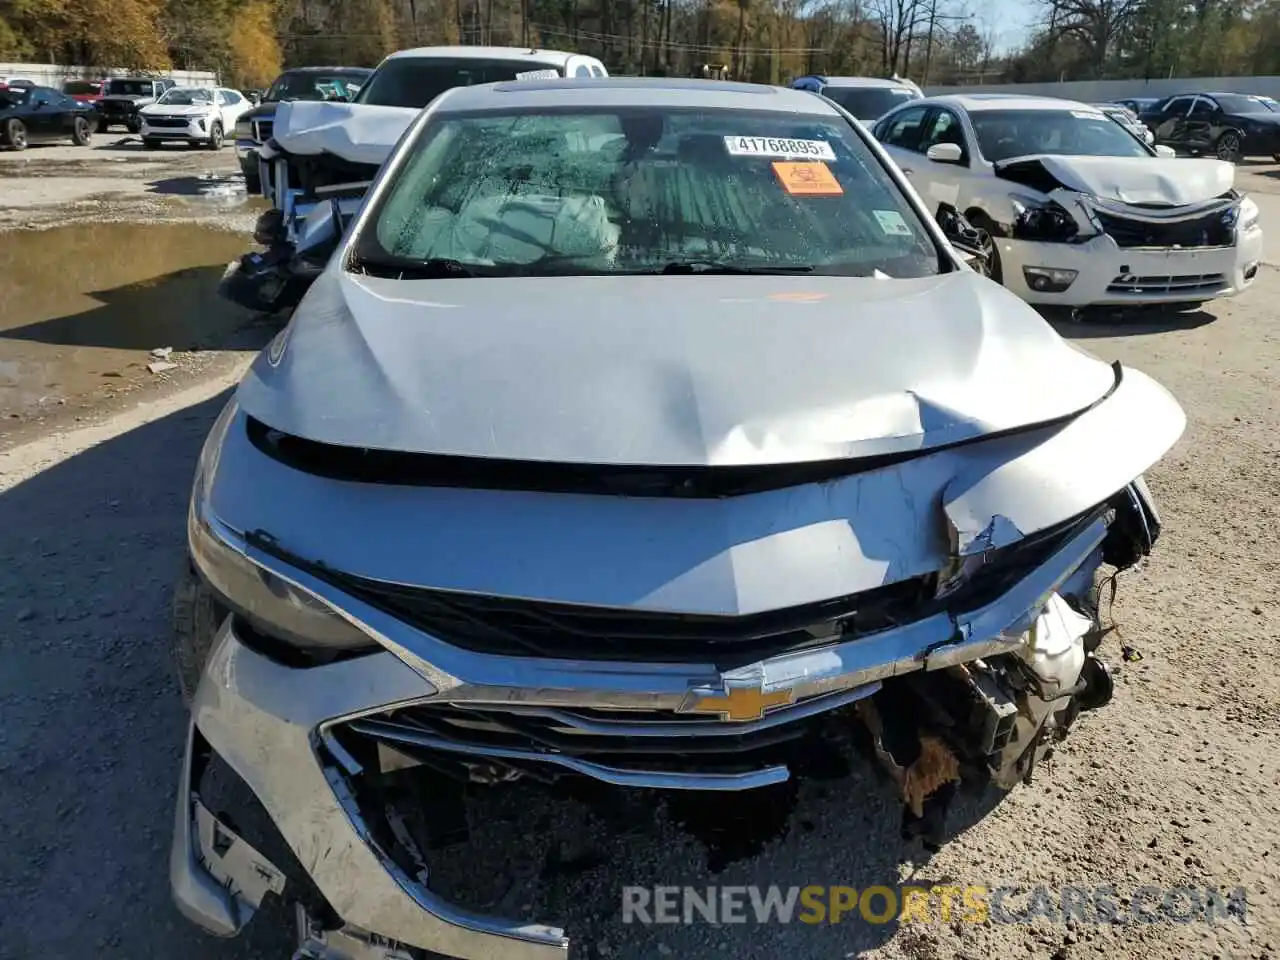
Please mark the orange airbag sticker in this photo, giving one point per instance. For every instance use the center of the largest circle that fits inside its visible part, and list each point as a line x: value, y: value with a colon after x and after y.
x: 808, y: 178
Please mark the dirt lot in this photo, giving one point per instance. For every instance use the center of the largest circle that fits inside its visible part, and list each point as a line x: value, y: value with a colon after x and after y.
x: 1176, y: 783
x: 109, y: 253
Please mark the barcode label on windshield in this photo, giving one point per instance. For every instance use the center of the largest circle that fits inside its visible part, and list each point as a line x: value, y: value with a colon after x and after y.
x: 549, y: 74
x: 779, y: 149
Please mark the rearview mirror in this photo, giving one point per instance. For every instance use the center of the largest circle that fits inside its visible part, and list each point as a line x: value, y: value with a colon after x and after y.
x: 1166, y: 152
x: 945, y: 153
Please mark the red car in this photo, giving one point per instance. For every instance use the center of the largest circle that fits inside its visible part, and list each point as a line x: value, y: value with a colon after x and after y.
x: 86, y: 91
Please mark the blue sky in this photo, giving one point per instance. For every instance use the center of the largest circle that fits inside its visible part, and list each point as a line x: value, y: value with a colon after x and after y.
x: 1008, y: 22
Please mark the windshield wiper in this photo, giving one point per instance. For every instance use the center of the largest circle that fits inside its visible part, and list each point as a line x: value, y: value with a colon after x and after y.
x: 725, y: 267
x: 431, y: 269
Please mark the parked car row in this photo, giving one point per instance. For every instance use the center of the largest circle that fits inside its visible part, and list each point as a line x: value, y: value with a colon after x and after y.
x: 1230, y: 126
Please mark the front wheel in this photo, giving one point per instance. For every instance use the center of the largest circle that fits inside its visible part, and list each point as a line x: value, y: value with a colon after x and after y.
x: 15, y: 134
x: 103, y: 126
x: 133, y: 126
x: 992, y: 268
x: 215, y: 137
x: 197, y: 617
x: 82, y: 134
x: 1228, y: 147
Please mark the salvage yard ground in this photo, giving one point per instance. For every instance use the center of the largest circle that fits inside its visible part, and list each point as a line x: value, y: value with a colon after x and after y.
x: 1175, y: 784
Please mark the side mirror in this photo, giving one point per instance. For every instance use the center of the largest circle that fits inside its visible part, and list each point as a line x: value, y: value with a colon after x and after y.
x: 945, y: 153
x: 1165, y: 151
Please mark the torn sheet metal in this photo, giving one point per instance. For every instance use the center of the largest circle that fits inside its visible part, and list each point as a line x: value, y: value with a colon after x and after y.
x: 246, y: 873
x: 1083, y: 463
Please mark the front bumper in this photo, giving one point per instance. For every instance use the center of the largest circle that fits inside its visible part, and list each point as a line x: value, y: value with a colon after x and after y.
x: 194, y: 129
x: 247, y: 154
x: 1110, y: 275
x: 279, y: 729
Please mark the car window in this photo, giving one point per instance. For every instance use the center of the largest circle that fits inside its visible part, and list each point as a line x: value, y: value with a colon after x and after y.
x: 1005, y: 134
x: 944, y: 128
x: 187, y: 96
x: 416, y: 81
x: 903, y: 129
x: 81, y: 87
x: 1237, y: 103
x: 597, y: 70
x: 1203, y: 107
x: 312, y: 85
x: 631, y: 191
x: 869, y: 103
x: 582, y: 70
x: 129, y: 88
x: 1178, y: 106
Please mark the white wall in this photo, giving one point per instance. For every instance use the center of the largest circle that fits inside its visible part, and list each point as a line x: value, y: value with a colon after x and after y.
x: 1099, y: 91
x: 52, y: 75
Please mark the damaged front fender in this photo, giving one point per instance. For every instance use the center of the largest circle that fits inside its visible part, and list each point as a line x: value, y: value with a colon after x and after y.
x: 1083, y: 463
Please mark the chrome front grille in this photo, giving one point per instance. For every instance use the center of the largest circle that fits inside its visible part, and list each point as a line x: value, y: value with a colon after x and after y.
x: 1198, y: 284
x: 658, y: 749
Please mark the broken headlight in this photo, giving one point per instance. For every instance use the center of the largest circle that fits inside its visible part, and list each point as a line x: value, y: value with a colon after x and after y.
x: 1043, y: 221
x: 271, y: 605
x: 1246, y: 214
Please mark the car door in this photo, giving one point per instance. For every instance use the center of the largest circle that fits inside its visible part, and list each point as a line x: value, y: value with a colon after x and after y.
x: 937, y: 182
x: 1171, y: 122
x: 900, y: 133
x: 1199, y: 130
x: 46, y: 116
x: 230, y: 105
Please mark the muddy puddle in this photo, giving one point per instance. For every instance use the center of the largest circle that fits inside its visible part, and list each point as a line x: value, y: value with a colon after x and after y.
x: 83, y: 307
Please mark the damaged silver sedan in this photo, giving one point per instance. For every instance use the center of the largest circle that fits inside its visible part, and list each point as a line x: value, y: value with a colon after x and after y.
x: 642, y: 435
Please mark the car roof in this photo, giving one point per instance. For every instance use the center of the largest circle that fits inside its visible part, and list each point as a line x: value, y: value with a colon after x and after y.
x: 554, y: 58
x: 606, y: 92
x: 978, y: 102
x: 327, y: 70
x: 879, y: 82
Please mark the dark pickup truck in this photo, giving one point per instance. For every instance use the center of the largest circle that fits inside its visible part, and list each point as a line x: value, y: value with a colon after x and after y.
x: 123, y: 97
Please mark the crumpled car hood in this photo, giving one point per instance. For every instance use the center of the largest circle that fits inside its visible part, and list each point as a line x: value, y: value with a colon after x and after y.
x: 1136, y: 179
x: 665, y: 371
x: 354, y: 131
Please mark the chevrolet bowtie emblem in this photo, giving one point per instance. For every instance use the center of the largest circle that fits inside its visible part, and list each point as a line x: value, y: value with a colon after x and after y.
x: 737, y: 702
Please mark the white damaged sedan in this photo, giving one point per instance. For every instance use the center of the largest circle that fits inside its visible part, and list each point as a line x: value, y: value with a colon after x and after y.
x: 641, y: 443
x: 1075, y: 209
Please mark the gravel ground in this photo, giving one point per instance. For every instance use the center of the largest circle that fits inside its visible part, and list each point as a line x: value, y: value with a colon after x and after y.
x: 1176, y: 783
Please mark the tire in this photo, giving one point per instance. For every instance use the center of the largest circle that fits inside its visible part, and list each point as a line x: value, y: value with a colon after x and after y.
x: 103, y: 126
x: 987, y: 239
x: 82, y: 135
x: 15, y: 134
x: 133, y: 126
x: 1228, y: 147
x: 252, y: 182
x: 197, y: 617
x: 150, y: 143
x: 215, y: 136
